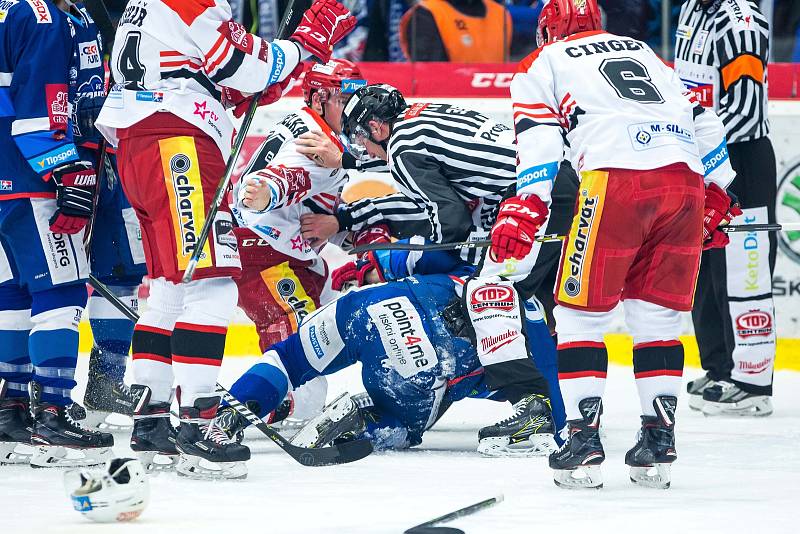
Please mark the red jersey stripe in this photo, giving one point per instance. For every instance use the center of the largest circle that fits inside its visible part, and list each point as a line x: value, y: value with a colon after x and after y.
x: 659, y: 372
x: 195, y: 361
x: 151, y: 356
x: 188, y: 11
x: 582, y: 345
x: 210, y: 329
x: 153, y: 329
x: 581, y: 374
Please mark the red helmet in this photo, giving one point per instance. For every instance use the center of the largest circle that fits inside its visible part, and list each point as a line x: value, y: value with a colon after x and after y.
x: 561, y: 18
x: 337, y: 75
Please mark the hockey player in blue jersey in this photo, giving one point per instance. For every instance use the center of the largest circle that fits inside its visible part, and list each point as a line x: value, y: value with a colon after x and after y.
x: 115, y: 243
x: 46, y: 199
x: 412, y: 338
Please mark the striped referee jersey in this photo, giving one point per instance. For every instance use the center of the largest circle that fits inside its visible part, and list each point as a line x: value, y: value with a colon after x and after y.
x: 721, y: 54
x: 452, y: 167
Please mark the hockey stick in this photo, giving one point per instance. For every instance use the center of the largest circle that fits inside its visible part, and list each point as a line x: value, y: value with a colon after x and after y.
x: 428, y: 527
x: 730, y: 229
x: 97, y: 10
x: 347, y: 452
x: 224, y: 183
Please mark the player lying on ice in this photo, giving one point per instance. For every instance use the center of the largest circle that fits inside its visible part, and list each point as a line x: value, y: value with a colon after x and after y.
x: 417, y: 354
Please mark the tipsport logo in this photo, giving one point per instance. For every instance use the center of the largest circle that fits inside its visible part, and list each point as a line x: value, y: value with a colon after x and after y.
x: 788, y: 210
x: 351, y: 86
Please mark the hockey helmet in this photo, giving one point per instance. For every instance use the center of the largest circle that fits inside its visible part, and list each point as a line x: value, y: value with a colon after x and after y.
x: 335, y: 76
x: 380, y: 102
x: 119, y: 491
x: 562, y: 18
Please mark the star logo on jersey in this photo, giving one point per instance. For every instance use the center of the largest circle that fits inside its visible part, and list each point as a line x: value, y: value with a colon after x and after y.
x: 298, y: 243
x: 201, y: 110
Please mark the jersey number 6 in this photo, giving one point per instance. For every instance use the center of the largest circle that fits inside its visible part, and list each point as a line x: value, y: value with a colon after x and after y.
x: 630, y: 80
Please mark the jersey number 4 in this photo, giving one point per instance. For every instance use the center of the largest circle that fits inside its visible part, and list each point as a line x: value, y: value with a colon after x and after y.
x: 630, y: 80
x: 129, y: 65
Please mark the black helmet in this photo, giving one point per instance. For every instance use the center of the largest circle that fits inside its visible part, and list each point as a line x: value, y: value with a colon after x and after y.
x: 374, y: 102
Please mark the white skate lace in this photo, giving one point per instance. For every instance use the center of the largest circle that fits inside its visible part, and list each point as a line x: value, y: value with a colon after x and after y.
x: 217, y: 434
x: 74, y: 424
x: 519, y: 408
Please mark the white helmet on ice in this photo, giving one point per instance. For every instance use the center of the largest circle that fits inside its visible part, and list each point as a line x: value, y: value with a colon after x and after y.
x: 119, y: 491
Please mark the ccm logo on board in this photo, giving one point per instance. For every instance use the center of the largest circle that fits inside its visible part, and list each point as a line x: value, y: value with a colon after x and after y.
x: 492, y: 79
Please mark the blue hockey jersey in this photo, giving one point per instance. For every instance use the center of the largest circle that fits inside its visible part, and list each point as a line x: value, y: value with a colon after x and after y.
x: 35, y: 136
x: 87, y: 75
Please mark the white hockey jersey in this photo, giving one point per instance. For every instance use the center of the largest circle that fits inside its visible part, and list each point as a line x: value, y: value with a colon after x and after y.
x: 280, y: 227
x: 173, y: 55
x: 617, y: 106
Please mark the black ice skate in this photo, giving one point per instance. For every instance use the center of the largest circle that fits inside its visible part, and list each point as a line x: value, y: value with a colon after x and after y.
x: 577, y: 463
x: 229, y: 421
x: 651, y: 457
x: 529, y: 432
x: 338, y: 419
x: 105, y: 396
x: 61, y: 442
x: 153, y: 436
x: 726, y: 398
x: 15, y: 429
x: 695, y: 389
x: 206, y: 451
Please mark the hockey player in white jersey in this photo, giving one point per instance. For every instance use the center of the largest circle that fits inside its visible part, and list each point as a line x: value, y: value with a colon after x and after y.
x: 172, y: 60
x: 283, y: 274
x: 654, y: 168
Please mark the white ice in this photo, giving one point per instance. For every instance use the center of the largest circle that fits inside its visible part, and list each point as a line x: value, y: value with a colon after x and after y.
x: 733, y: 475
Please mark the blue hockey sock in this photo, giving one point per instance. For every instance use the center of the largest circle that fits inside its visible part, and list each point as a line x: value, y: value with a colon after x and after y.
x: 15, y: 327
x: 112, y: 331
x: 545, y: 356
x: 53, y: 343
x: 263, y: 383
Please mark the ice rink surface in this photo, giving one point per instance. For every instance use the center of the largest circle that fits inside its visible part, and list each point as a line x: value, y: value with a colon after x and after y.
x: 732, y: 476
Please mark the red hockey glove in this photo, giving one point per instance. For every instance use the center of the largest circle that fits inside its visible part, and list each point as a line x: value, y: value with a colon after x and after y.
x: 374, y: 234
x: 518, y: 220
x: 324, y: 24
x: 718, y: 211
x: 232, y: 98
x: 356, y: 271
x: 76, y: 187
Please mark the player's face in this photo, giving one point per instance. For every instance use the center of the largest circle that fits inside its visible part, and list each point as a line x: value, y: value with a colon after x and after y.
x: 333, y: 111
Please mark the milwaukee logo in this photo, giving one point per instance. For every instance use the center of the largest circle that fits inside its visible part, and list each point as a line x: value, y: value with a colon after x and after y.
x: 754, y: 368
x: 492, y: 343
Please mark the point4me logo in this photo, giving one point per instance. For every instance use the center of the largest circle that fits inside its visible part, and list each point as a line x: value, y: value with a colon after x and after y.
x: 492, y: 297
x: 788, y: 210
x: 408, y: 349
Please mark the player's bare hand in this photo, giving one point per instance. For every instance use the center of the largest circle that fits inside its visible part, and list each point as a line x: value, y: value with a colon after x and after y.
x: 256, y: 194
x: 320, y: 149
x: 317, y: 227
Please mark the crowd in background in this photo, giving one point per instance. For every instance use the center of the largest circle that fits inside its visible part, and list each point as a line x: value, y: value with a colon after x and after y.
x: 486, y: 30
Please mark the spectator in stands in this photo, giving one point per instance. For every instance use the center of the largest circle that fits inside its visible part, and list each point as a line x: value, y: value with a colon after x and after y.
x: 627, y: 17
x: 466, y: 31
x: 786, y: 31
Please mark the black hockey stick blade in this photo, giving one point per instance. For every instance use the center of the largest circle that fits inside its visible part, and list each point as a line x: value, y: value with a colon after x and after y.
x: 338, y: 454
x: 429, y: 527
x: 345, y: 453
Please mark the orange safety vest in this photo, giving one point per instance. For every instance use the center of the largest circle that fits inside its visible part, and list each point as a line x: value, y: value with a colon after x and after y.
x: 466, y: 39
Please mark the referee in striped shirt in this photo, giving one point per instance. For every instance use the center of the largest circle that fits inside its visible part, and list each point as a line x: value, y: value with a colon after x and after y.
x: 721, y: 55
x: 452, y: 167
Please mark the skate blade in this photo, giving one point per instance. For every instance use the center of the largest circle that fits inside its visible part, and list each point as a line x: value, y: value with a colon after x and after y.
x: 754, y: 407
x: 309, y: 435
x: 108, y: 421
x: 696, y: 402
x: 15, y: 453
x: 45, y: 456
x: 584, y: 477
x: 155, y: 462
x: 654, y: 476
x: 535, y: 445
x: 199, y: 469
